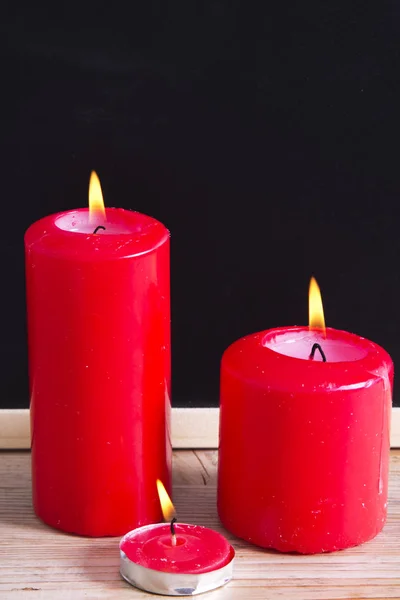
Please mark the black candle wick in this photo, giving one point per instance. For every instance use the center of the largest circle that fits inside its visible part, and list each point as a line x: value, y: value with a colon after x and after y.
x: 313, y: 350
x: 173, y: 526
x: 99, y: 227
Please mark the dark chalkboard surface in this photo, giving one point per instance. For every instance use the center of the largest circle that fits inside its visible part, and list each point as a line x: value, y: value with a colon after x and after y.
x: 265, y: 136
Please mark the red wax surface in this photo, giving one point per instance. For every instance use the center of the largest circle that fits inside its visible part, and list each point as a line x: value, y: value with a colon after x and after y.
x: 304, y: 445
x: 99, y: 362
x: 197, y: 550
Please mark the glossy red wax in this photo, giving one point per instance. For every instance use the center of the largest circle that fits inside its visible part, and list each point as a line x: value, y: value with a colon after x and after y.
x: 304, y: 445
x: 197, y: 550
x: 99, y: 360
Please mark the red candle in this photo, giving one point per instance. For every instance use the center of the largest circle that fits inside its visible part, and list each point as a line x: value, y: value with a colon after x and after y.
x: 99, y: 359
x: 304, y: 444
x: 175, y: 559
x: 196, y: 550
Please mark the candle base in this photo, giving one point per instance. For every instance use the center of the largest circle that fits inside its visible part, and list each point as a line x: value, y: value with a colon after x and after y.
x: 174, y: 584
x: 304, y: 545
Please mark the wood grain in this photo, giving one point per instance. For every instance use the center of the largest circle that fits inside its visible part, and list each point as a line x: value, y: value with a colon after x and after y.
x: 39, y: 563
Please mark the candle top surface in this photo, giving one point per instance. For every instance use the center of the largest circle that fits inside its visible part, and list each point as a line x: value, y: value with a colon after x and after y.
x: 197, y: 549
x: 122, y: 233
x: 298, y: 344
x: 281, y: 357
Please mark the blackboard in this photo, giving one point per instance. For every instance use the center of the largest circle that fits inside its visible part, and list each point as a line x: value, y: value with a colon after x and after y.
x: 265, y: 136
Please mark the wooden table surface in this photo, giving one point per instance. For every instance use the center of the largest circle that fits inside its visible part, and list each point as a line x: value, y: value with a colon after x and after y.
x: 39, y: 563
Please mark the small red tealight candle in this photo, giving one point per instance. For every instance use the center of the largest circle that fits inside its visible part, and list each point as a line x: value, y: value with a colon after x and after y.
x: 304, y: 438
x: 176, y: 559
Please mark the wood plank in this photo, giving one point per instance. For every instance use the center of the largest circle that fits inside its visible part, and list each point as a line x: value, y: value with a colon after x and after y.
x: 191, y: 428
x: 44, y: 564
x: 195, y: 468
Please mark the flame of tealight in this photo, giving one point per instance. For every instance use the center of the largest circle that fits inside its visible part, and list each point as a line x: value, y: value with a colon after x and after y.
x: 168, y: 509
x: 97, y: 212
x: 315, y: 309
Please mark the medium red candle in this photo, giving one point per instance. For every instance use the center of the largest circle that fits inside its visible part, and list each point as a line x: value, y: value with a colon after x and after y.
x: 304, y: 444
x: 99, y: 359
x: 177, y: 559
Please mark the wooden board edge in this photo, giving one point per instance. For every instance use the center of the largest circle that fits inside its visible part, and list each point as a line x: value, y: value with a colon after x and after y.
x: 395, y: 428
x: 191, y: 428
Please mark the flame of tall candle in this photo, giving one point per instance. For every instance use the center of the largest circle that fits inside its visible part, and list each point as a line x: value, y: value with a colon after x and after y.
x: 97, y: 211
x: 315, y: 309
x: 168, y: 509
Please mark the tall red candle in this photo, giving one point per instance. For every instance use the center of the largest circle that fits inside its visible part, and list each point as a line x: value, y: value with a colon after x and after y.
x: 304, y: 444
x: 99, y: 360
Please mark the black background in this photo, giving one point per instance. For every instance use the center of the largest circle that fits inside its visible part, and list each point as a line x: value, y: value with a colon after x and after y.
x: 264, y: 135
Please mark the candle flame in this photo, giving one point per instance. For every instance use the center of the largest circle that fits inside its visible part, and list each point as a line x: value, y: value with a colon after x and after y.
x: 315, y: 309
x: 168, y: 509
x: 97, y: 211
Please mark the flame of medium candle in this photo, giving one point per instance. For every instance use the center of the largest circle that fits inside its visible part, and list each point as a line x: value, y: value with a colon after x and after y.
x: 97, y: 211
